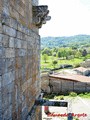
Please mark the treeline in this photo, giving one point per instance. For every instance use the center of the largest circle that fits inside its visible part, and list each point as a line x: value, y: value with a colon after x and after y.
x: 77, y: 41
x: 65, y: 53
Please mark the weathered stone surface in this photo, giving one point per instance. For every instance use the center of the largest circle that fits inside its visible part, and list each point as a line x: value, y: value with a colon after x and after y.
x: 2, y: 65
x: 9, y: 65
x: 19, y: 76
x: 5, y: 41
x: 1, y: 37
x: 7, y: 78
x: 0, y: 26
x: 11, y: 42
x: 18, y: 43
x: 22, y: 52
x: 58, y: 85
x: 2, y: 52
x: 9, y: 31
x: 0, y: 82
x: 1, y: 105
x: 9, y: 52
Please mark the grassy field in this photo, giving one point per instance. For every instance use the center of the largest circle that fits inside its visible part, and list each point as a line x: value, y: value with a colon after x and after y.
x: 49, y: 64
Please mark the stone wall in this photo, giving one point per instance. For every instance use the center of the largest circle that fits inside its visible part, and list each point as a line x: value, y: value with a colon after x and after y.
x: 45, y: 82
x: 61, y: 86
x: 66, y: 86
x: 19, y: 60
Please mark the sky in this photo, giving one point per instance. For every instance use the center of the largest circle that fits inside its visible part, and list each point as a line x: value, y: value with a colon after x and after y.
x: 68, y: 18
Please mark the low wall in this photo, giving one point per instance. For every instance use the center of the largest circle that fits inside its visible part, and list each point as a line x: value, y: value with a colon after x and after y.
x: 64, y: 86
x: 45, y: 82
x: 54, y: 85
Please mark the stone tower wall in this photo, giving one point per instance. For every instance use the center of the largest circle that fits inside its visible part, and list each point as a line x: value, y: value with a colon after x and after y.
x: 19, y: 60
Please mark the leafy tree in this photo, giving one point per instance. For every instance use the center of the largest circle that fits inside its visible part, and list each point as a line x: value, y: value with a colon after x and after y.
x: 59, y: 54
x: 45, y: 57
x: 84, y: 53
x: 74, y: 52
x: 55, y: 50
x: 54, y: 54
x: 78, y: 54
x: 47, y: 51
x: 54, y: 63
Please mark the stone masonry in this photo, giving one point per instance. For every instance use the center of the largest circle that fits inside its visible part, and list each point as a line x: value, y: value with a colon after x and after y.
x: 19, y: 60
x: 53, y: 84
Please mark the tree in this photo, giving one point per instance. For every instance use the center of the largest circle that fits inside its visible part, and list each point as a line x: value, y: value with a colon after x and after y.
x: 55, y: 62
x: 45, y: 57
x: 78, y: 54
x: 47, y: 51
x: 59, y: 54
x: 54, y: 54
x: 84, y: 53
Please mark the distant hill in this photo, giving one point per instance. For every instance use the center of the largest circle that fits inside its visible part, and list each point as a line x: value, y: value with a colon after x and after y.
x: 77, y: 40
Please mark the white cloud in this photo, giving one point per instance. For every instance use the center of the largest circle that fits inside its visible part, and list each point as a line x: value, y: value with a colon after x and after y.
x: 69, y: 17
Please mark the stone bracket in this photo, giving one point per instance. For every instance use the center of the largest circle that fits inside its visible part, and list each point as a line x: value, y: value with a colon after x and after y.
x: 40, y: 15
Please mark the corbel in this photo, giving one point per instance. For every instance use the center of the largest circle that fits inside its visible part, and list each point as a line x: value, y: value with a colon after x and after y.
x: 40, y: 15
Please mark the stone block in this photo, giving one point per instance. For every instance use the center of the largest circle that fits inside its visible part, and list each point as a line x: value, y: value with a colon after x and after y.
x: 2, y: 66
x: 21, y: 10
x: 9, y: 65
x: 13, y: 13
x: 6, y: 20
x: 1, y: 37
x: 0, y: 82
x: 6, y: 9
x: 9, y: 31
x: 5, y: 103
x: 21, y: 28
x: 79, y: 87
x: 2, y: 52
x: 11, y: 42
x: 0, y: 27
x: 5, y: 41
x: 67, y: 86
x: 19, y: 35
x: 22, y: 52
x: 13, y: 23
x: 9, y: 52
x: 88, y: 87
x: 8, y: 78
x: 18, y: 43
x: 24, y: 113
x: 24, y: 44
x: 8, y: 113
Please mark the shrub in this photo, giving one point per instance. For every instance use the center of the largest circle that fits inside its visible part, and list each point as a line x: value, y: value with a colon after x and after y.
x: 49, y: 96
x: 59, y: 97
x: 86, y: 93
x: 81, y: 94
x: 76, y: 119
x: 77, y: 65
x: 72, y: 94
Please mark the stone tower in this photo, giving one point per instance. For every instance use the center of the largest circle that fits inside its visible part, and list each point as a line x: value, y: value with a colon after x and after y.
x: 20, y: 58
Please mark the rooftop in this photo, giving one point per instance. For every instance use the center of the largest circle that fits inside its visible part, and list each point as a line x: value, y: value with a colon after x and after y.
x: 81, y: 69
x: 71, y: 77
